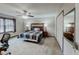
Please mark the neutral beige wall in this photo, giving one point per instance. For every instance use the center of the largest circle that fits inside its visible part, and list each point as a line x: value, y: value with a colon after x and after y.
x: 49, y: 23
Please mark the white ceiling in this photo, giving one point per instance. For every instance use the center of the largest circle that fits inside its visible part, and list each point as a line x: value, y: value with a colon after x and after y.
x: 37, y: 9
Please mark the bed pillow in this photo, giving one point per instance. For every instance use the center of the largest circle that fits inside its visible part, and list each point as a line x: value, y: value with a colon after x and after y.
x: 36, y: 29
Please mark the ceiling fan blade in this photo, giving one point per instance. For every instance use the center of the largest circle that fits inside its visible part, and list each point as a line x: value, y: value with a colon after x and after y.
x: 25, y: 11
x: 30, y: 15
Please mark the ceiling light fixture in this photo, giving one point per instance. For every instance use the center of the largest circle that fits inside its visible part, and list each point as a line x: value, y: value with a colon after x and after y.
x: 24, y: 16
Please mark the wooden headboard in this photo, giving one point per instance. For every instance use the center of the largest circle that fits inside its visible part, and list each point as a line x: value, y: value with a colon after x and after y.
x: 37, y: 25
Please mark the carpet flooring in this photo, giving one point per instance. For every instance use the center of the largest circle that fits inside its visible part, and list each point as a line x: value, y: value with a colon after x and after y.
x: 48, y: 46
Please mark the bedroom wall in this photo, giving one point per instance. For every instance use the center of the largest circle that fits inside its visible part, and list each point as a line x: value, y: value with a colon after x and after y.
x: 49, y: 23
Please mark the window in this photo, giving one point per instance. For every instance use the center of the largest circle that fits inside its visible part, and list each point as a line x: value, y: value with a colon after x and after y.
x: 7, y: 25
x: 1, y: 25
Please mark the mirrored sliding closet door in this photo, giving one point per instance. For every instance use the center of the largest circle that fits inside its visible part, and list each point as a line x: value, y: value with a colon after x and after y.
x: 69, y: 32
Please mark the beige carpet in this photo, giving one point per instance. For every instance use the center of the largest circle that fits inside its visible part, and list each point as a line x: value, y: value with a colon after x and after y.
x: 52, y: 44
x: 19, y: 47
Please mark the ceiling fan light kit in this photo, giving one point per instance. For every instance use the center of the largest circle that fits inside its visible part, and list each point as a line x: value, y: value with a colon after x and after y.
x: 24, y: 16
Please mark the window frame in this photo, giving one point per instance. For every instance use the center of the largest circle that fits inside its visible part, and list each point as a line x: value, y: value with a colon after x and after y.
x: 3, y: 25
x: 14, y: 22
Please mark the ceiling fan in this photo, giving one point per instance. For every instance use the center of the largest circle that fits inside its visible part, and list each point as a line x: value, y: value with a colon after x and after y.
x: 26, y: 14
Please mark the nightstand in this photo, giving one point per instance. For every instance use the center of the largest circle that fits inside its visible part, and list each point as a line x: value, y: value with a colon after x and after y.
x: 45, y: 34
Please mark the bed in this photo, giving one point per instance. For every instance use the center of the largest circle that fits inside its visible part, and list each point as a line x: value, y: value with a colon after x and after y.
x: 35, y: 34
